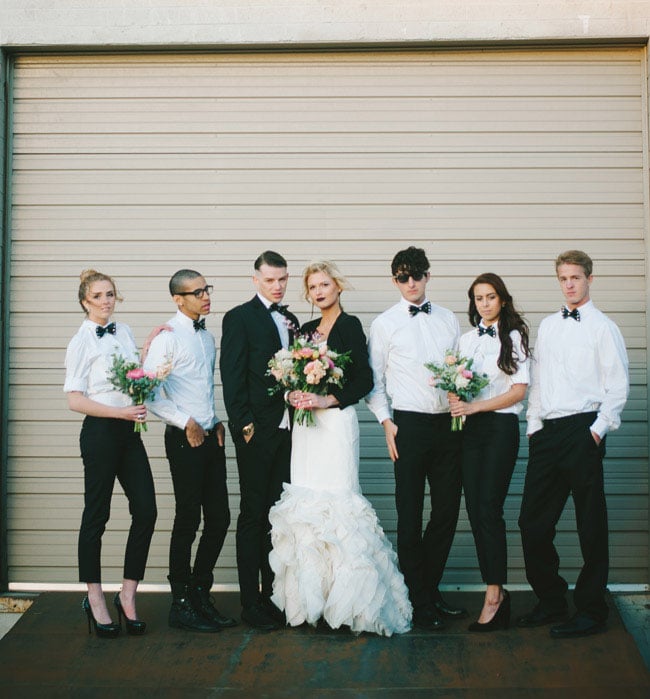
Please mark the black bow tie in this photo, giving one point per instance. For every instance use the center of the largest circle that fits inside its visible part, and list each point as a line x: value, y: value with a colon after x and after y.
x: 110, y: 329
x: 487, y: 331
x: 279, y: 307
x: 566, y: 313
x: 199, y: 324
x: 424, y: 308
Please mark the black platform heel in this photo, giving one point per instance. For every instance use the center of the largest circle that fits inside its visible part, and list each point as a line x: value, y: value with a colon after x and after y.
x: 134, y: 627
x: 501, y: 619
x: 102, y: 630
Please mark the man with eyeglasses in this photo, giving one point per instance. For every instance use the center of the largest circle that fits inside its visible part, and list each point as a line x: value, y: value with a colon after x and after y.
x: 194, y: 444
x: 418, y: 434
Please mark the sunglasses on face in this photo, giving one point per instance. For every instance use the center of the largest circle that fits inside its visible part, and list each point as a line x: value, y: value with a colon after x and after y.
x: 197, y: 293
x: 403, y: 278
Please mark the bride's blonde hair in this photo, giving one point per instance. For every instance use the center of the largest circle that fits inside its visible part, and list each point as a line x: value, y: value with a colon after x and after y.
x: 327, y: 267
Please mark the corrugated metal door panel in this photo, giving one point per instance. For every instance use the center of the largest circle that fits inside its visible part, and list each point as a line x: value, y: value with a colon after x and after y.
x: 138, y: 164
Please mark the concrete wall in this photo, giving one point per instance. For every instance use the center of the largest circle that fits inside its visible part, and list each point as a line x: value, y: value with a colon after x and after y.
x: 208, y: 23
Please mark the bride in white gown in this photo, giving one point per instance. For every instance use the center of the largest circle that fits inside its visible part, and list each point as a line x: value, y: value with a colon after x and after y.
x: 330, y: 556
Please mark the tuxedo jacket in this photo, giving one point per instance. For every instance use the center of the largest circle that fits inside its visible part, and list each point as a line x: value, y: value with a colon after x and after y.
x: 347, y: 335
x: 249, y: 339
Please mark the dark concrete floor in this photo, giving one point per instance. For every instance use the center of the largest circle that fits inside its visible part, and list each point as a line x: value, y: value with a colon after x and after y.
x: 49, y: 653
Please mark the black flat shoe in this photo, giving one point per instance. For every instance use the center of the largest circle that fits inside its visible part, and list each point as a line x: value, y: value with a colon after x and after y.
x: 134, y: 627
x: 577, y: 626
x: 540, y: 617
x: 101, y: 630
x: 500, y: 620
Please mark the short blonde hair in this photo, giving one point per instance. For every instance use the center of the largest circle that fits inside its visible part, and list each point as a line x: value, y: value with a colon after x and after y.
x: 90, y: 276
x: 575, y: 257
x: 327, y: 267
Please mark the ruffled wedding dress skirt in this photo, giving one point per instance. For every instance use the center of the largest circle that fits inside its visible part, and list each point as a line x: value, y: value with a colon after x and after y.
x: 330, y: 556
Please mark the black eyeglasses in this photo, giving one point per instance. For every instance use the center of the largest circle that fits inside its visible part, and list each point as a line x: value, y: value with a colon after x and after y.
x: 403, y: 278
x: 197, y: 293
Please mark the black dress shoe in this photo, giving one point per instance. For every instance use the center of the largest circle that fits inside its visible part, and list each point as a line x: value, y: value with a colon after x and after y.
x: 578, y: 625
x: 257, y: 617
x: 274, y: 612
x: 540, y: 617
x: 445, y: 609
x: 427, y: 619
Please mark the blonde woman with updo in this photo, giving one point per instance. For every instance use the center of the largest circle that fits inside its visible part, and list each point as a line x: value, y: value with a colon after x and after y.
x: 331, y: 559
x: 110, y: 449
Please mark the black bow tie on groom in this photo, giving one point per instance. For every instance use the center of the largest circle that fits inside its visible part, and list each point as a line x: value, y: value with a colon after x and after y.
x: 486, y: 331
x: 110, y: 329
x: 424, y: 308
x: 279, y: 307
x: 566, y: 313
x: 199, y: 324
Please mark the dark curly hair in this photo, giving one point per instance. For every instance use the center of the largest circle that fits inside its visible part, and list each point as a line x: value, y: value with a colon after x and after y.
x: 509, y: 319
x: 409, y: 261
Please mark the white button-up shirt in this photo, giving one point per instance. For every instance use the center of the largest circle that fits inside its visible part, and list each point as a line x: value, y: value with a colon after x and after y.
x: 399, y: 345
x: 88, y: 362
x: 579, y: 367
x: 188, y: 391
x: 485, y: 350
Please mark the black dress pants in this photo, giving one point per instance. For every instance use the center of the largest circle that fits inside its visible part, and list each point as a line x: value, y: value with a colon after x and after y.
x: 199, y: 479
x: 564, y: 459
x: 428, y: 452
x: 490, y: 447
x: 264, y: 465
x: 110, y: 449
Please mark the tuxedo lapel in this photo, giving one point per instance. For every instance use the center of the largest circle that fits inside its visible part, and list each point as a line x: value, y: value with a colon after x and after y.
x: 265, y: 321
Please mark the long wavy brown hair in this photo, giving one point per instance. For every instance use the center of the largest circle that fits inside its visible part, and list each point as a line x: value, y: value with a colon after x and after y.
x: 509, y: 319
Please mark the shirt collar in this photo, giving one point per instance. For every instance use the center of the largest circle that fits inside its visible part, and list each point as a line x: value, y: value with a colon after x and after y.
x: 184, y: 320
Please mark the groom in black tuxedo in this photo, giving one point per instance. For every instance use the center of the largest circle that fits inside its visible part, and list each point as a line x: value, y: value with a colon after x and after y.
x: 260, y: 427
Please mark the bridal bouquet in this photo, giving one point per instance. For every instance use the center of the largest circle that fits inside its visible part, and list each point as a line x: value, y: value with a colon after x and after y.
x: 130, y: 378
x: 455, y: 375
x: 308, y: 365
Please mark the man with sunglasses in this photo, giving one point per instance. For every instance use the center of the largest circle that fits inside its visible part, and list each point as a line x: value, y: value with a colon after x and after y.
x: 418, y: 434
x: 194, y: 444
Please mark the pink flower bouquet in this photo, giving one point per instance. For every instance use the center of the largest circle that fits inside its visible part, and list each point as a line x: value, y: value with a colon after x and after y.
x: 308, y: 365
x: 130, y: 378
x: 456, y: 375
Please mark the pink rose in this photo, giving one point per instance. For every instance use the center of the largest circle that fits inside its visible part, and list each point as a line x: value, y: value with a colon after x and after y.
x: 135, y: 374
x: 468, y: 374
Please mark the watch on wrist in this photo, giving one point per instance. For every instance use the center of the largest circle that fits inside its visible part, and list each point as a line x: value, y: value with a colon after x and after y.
x: 248, y: 430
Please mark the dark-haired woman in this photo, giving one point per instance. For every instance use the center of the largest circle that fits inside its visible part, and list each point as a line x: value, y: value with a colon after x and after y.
x: 499, y: 346
x: 109, y: 449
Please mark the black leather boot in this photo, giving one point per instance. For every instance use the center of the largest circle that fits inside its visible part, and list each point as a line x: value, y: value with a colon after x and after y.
x: 203, y: 604
x: 182, y: 614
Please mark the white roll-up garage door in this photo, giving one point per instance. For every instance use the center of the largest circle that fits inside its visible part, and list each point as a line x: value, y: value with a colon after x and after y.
x: 140, y: 164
